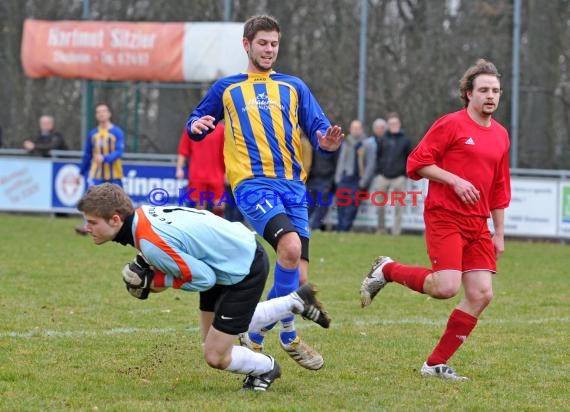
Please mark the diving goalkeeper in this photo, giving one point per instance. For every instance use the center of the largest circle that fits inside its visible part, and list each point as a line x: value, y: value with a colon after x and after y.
x: 194, y: 250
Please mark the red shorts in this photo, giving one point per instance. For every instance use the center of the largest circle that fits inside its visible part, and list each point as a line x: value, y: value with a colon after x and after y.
x: 459, y: 242
x: 205, y: 192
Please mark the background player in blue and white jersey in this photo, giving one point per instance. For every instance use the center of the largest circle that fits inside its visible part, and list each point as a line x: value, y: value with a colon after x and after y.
x: 265, y: 114
x: 195, y: 250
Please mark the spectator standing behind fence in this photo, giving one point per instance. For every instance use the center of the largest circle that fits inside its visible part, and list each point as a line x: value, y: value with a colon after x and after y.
x: 378, y: 132
x: 206, y: 169
x: 392, y: 154
x: 102, y: 156
x: 320, y: 185
x: 366, y: 162
x: 349, y: 169
x: 48, y: 138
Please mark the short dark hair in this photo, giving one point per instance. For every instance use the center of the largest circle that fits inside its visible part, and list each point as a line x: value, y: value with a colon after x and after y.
x: 393, y: 115
x: 260, y: 22
x: 480, y: 67
x: 106, y: 200
x: 103, y: 104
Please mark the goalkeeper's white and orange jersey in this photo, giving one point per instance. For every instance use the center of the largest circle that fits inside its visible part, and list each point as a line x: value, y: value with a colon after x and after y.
x: 192, y: 249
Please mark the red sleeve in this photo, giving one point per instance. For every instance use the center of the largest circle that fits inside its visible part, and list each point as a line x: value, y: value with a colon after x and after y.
x: 220, y: 158
x: 431, y: 148
x: 184, y: 147
x: 501, y: 194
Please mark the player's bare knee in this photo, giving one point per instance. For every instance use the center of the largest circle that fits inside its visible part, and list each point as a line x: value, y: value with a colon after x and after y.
x: 484, y: 297
x: 289, y: 250
x: 445, y: 291
x: 216, y: 360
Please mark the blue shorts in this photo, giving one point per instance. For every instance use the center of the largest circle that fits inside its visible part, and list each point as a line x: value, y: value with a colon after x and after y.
x: 261, y: 199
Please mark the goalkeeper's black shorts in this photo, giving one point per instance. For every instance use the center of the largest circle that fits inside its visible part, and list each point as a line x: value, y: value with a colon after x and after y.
x: 233, y: 305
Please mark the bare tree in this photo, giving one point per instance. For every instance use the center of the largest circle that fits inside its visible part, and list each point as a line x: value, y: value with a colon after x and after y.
x: 417, y: 51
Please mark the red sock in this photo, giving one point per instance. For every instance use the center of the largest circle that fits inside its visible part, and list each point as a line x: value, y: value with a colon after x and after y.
x: 459, y: 326
x: 410, y: 276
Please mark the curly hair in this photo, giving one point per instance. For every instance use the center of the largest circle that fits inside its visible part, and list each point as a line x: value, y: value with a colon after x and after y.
x: 480, y: 67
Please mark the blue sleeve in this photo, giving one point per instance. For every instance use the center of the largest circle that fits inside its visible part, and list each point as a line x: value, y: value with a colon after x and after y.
x: 87, y: 155
x: 311, y: 116
x: 212, y: 104
x: 119, y: 146
x: 203, y: 276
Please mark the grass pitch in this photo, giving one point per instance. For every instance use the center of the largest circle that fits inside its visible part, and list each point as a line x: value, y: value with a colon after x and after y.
x: 72, y: 338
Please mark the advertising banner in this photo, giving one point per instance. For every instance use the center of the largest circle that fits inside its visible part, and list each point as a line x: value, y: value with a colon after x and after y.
x: 533, y: 208
x: 25, y: 184
x: 156, y: 185
x: 564, y: 204
x: 540, y: 207
x: 67, y: 187
x: 113, y: 50
x: 145, y: 184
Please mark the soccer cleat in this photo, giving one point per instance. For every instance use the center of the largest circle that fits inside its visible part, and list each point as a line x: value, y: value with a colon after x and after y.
x: 303, y: 354
x: 374, y: 281
x: 441, y: 371
x: 262, y: 382
x: 245, y: 341
x: 313, y: 309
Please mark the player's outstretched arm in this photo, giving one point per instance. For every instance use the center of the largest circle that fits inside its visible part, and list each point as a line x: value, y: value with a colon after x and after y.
x: 332, y: 139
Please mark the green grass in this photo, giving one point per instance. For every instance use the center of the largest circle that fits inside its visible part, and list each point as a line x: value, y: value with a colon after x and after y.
x: 72, y: 338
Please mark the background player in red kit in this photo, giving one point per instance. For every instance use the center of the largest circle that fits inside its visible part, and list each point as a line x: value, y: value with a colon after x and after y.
x: 464, y: 155
x: 206, y: 170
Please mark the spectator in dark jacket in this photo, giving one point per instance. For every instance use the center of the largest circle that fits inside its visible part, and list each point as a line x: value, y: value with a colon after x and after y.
x: 48, y: 139
x: 320, y: 185
x: 392, y: 154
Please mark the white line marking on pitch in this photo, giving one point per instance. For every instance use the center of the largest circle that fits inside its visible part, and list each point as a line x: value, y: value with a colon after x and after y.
x: 164, y: 331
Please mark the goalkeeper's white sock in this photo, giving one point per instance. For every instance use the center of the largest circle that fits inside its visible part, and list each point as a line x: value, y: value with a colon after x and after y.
x: 273, y: 310
x: 248, y: 362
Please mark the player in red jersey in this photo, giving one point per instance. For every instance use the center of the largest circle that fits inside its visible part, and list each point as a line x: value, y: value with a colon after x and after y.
x: 464, y: 155
x: 206, y: 170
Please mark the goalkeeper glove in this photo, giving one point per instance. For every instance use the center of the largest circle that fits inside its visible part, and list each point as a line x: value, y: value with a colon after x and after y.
x: 138, y: 292
x: 138, y: 277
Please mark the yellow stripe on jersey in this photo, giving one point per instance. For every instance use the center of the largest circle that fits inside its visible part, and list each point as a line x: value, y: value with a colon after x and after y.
x: 236, y: 156
x: 277, y: 119
x: 261, y: 139
x: 297, y: 135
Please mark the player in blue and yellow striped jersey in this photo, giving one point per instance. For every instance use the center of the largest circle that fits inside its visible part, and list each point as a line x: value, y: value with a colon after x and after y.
x: 103, y: 150
x: 102, y: 153
x: 265, y: 114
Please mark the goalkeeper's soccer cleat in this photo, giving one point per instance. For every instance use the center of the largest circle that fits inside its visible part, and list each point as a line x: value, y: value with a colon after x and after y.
x: 245, y: 341
x: 262, y: 382
x: 441, y: 371
x: 313, y: 309
x: 374, y: 281
x: 303, y: 354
